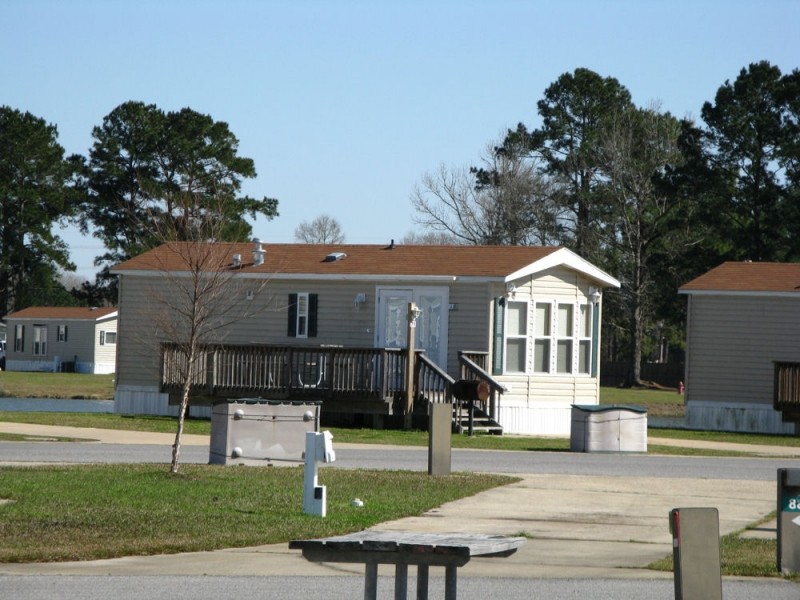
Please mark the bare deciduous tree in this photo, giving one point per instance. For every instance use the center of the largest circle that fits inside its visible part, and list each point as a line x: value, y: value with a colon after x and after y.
x: 506, y: 201
x: 635, y: 148
x: 199, y: 294
x: 430, y: 238
x: 322, y: 230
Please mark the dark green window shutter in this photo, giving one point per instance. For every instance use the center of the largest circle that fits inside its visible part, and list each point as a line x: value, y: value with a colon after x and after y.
x: 312, y: 315
x: 292, y: 331
x: 498, y: 334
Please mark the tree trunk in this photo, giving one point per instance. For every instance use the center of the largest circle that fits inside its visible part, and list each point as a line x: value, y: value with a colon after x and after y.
x: 176, y: 447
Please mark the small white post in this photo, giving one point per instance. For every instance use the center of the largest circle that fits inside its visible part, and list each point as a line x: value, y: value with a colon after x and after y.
x: 319, y: 447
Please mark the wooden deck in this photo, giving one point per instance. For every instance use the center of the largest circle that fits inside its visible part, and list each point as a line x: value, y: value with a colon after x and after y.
x: 348, y: 381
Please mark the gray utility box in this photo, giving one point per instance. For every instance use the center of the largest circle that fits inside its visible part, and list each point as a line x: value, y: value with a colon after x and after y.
x: 608, y: 428
x: 789, y: 520
x: 695, y: 553
x: 261, y: 432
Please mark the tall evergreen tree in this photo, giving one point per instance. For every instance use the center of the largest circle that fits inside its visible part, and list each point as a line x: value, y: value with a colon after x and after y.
x: 151, y: 171
x: 34, y: 194
x: 573, y: 112
x: 746, y: 133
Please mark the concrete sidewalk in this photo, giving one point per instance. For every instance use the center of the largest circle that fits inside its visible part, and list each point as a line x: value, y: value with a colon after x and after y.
x: 577, y: 526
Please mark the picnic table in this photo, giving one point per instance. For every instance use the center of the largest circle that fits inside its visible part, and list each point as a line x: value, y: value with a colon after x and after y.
x: 448, y: 550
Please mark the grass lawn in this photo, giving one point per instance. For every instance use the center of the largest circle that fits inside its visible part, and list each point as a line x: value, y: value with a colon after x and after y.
x: 18, y: 384
x: 101, y: 511
x: 740, y: 557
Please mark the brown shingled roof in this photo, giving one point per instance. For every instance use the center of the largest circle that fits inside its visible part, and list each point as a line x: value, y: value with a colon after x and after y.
x: 62, y: 312
x: 748, y: 277
x: 408, y: 260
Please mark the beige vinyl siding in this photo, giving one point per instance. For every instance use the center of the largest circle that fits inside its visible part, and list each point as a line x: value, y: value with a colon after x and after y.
x: 105, y: 353
x: 469, y: 321
x: 339, y: 320
x: 80, y: 341
x: 733, y: 342
x: 82, y: 344
x: 138, y: 346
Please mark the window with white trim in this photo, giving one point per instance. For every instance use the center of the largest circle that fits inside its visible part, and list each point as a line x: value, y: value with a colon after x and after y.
x: 516, y: 337
x: 303, y: 315
x: 39, y: 340
x: 61, y: 333
x: 543, y: 325
x: 565, y: 338
x: 562, y: 338
x: 108, y: 337
x: 19, y: 338
x: 585, y: 339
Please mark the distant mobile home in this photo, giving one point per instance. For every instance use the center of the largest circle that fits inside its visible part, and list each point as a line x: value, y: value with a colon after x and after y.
x: 743, y: 319
x: 533, y: 312
x: 52, y: 338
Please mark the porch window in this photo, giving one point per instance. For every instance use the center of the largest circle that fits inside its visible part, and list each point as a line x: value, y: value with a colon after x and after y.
x: 516, y: 337
x: 39, y: 340
x: 19, y: 338
x: 585, y: 340
x: 565, y: 339
x: 61, y: 333
x: 302, y: 315
x: 543, y: 324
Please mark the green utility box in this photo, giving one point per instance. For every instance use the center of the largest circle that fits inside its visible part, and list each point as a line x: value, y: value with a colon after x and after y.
x: 789, y: 520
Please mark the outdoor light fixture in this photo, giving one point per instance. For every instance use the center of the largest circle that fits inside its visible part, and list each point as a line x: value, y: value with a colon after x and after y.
x: 594, y: 295
x: 414, y: 312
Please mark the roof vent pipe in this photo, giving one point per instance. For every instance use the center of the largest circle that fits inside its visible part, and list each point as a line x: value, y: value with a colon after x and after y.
x: 258, y: 253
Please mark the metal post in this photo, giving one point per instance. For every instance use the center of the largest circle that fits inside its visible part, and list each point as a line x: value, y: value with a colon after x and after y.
x: 401, y: 581
x: 413, y: 313
x: 451, y: 582
x: 371, y: 581
x: 422, y: 582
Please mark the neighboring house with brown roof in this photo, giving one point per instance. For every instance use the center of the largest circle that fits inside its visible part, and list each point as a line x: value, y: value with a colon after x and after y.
x: 51, y: 338
x: 742, y: 318
x: 535, y: 311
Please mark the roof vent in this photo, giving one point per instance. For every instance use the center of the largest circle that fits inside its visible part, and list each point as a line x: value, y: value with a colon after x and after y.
x: 334, y: 256
x: 258, y: 253
x: 237, y: 260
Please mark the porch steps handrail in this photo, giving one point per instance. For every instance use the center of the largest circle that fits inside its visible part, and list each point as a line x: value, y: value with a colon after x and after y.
x: 433, y: 383
x: 470, y: 369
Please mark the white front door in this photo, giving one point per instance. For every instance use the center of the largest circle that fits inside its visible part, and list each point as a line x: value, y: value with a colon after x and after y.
x: 431, y: 333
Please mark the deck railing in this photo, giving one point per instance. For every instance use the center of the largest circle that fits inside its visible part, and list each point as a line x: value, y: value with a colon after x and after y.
x: 281, y: 371
x: 433, y: 384
x: 786, y: 390
x: 472, y: 365
x: 321, y: 373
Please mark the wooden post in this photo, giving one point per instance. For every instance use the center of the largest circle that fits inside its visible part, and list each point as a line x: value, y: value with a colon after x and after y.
x: 413, y: 313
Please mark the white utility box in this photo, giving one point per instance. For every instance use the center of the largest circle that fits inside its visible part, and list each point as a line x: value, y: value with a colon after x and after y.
x: 261, y: 432
x: 608, y: 428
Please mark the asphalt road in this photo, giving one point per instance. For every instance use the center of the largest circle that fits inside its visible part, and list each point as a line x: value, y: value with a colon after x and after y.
x: 372, y: 457
x: 213, y: 587
x: 320, y: 588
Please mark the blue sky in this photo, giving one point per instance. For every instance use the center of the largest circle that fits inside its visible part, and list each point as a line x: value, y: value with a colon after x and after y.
x: 345, y: 105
